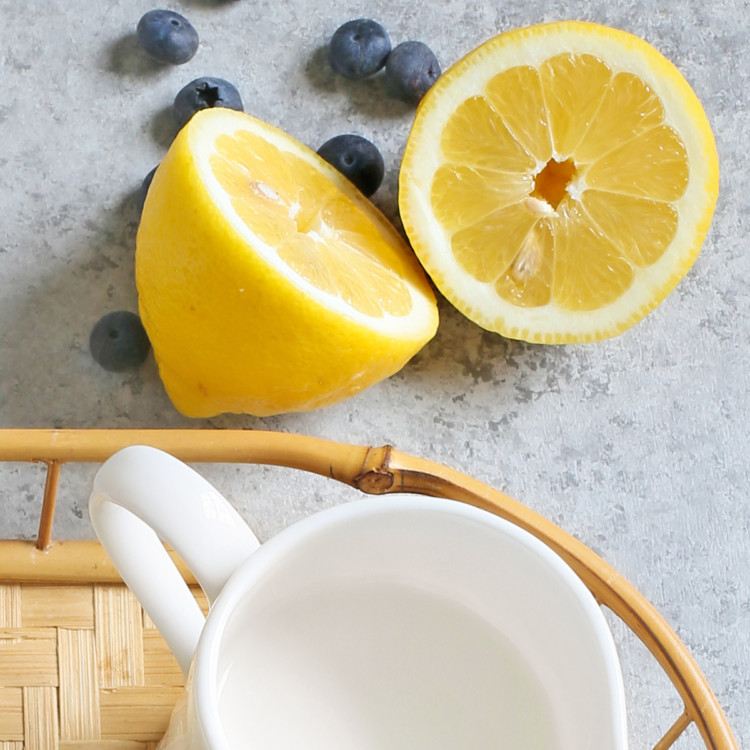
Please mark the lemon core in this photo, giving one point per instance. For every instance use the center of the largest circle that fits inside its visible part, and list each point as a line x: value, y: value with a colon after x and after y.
x: 551, y: 184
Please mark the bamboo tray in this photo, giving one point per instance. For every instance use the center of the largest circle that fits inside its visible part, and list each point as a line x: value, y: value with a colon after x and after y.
x: 82, y: 667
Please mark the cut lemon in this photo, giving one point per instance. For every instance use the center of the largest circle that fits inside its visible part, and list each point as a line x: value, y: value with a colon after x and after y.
x: 267, y: 283
x: 558, y: 182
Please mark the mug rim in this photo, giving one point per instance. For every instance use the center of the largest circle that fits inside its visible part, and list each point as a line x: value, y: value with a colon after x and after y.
x: 251, y: 571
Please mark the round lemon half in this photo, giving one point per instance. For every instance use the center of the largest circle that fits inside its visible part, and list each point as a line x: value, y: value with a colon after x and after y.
x: 559, y: 181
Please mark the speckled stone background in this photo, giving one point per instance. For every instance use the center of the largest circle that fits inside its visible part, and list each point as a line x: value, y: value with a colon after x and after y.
x: 638, y: 445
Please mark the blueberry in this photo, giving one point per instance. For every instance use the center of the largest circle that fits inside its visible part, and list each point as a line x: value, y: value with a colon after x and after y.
x: 119, y: 341
x: 410, y: 70
x: 359, y: 48
x: 357, y: 159
x: 145, y: 185
x: 204, y: 93
x: 167, y: 36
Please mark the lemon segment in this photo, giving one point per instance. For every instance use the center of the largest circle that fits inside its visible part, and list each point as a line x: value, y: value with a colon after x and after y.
x: 573, y: 86
x: 267, y: 283
x: 517, y: 93
x: 559, y: 181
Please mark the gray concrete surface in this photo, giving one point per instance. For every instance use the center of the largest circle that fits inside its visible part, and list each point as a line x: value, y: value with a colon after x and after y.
x: 637, y: 445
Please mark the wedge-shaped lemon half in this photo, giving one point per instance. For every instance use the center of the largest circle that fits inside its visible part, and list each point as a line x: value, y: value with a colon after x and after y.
x: 559, y: 181
x: 267, y: 282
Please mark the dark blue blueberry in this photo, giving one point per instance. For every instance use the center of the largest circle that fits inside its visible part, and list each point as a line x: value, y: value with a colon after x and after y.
x: 167, y: 36
x: 145, y: 185
x: 119, y: 341
x: 410, y: 70
x: 204, y: 93
x: 357, y: 159
x: 359, y: 48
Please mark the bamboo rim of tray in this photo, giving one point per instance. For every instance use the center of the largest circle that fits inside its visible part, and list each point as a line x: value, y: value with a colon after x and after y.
x: 373, y: 470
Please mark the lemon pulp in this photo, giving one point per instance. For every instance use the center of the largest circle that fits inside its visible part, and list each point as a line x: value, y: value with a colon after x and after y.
x: 314, y: 229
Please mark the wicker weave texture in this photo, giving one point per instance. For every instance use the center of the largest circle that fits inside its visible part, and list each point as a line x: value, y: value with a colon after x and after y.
x: 82, y: 667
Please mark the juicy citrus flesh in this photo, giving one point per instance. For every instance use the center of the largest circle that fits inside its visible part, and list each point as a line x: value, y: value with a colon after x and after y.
x: 290, y: 206
x: 267, y: 283
x: 559, y: 181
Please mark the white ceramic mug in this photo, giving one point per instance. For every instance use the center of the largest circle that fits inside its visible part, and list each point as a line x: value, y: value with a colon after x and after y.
x: 379, y: 624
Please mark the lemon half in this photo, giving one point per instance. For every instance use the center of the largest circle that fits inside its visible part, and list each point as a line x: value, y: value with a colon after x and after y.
x: 559, y: 181
x: 267, y: 282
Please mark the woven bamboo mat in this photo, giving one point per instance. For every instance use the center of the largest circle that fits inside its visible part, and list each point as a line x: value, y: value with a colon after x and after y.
x: 82, y: 668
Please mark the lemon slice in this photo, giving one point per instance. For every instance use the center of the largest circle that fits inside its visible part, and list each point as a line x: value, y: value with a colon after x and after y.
x: 267, y: 283
x: 558, y: 182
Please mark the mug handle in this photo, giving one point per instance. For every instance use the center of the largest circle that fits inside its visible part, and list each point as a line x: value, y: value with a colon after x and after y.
x: 143, y: 497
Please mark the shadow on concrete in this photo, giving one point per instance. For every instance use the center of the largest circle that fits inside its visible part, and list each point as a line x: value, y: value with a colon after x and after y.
x: 126, y: 57
x: 369, y: 96
x: 164, y: 127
